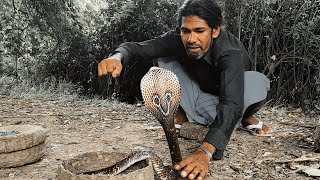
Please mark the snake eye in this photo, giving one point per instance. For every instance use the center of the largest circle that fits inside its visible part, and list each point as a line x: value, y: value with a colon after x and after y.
x: 156, y: 100
x: 168, y: 97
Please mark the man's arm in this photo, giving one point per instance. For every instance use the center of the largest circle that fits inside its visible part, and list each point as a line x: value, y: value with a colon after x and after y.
x: 168, y: 44
x: 229, y: 112
x: 231, y: 90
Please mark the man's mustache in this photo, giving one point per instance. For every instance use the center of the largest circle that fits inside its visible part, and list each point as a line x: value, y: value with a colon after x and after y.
x: 193, y: 46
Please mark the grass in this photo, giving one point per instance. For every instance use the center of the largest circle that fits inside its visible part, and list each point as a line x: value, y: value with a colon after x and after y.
x: 51, y: 89
x: 30, y: 89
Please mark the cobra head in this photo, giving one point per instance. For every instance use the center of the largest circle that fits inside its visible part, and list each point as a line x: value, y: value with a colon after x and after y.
x: 160, y: 90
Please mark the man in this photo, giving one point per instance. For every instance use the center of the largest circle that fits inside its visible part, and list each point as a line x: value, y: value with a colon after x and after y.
x: 213, y: 67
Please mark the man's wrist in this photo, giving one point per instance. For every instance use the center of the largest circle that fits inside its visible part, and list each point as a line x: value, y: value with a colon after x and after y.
x: 205, y: 150
x: 208, y: 147
x: 116, y: 55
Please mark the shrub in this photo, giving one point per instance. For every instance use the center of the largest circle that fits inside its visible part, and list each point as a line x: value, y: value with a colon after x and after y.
x: 65, y: 40
x: 284, y: 39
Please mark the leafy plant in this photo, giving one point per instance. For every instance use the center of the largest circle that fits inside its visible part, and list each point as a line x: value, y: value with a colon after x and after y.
x: 283, y: 37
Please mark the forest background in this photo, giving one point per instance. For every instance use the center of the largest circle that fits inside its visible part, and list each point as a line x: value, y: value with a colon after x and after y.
x: 50, y: 49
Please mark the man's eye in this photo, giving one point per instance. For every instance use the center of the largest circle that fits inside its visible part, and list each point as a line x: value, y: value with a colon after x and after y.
x: 200, y: 31
x: 184, y: 31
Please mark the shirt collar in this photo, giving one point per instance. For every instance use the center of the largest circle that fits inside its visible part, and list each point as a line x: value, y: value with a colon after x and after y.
x: 208, y: 56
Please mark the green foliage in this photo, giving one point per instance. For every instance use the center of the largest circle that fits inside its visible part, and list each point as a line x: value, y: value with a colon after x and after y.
x: 136, y: 20
x: 64, y: 40
x: 284, y: 39
x: 133, y: 20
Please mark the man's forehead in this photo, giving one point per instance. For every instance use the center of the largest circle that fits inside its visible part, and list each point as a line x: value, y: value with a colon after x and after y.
x: 195, y: 21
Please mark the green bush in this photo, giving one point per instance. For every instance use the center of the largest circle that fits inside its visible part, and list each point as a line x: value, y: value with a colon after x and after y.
x: 65, y: 40
x: 133, y: 20
x: 284, y: 39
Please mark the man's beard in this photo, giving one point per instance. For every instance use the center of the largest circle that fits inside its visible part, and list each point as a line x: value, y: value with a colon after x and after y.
x: 194, y: 55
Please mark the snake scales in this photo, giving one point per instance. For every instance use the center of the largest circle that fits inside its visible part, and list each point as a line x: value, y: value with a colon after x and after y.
x: 160, y: 90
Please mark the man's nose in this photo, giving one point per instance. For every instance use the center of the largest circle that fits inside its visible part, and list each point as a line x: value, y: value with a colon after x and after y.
x: 192, y: 38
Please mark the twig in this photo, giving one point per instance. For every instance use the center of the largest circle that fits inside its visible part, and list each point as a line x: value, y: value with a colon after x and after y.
x: 301, y: 159
x: 240, y: 21
x: 298, y: 124
x: 14, y: 117
x: 14, y: 6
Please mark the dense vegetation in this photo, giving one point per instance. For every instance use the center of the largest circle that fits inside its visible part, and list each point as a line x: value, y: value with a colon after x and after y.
x: 284, y: 39
x: 45, y: 42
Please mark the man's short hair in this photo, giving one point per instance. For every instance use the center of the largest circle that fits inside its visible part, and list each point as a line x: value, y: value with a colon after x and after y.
x: 207, y: 10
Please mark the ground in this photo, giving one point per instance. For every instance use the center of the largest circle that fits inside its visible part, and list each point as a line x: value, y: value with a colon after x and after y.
x: 75, y: 128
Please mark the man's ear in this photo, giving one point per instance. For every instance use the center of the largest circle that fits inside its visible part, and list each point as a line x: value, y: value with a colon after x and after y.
x: 216, y: 32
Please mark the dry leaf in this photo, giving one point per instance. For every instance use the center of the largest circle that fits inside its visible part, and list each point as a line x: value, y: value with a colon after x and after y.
x: 312, y: 171
x: 267, y: 154
x: 293, y: 115
x: 265, y: 112
x: 306, y: 169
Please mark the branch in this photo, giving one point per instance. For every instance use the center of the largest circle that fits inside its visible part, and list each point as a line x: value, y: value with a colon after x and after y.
x: 301, y: 159
x: 14, y: 6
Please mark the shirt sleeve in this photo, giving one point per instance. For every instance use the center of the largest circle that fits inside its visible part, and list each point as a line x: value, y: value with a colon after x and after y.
x: 231, y: 90
x: 168, y: 44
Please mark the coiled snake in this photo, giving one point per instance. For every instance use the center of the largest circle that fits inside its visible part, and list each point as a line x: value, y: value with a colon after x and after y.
x: 160, y: 90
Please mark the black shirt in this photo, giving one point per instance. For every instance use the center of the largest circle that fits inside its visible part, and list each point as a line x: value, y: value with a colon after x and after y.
x: 220, y: 72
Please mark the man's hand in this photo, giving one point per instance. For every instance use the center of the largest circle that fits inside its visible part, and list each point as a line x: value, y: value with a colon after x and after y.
x: 110, y: 66
x: 197, y: 164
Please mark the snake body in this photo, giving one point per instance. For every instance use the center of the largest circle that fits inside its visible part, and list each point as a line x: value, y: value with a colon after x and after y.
x: 160, y: 90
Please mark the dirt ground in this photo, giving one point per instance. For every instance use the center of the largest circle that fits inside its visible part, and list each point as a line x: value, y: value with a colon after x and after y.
x: 76, y: 128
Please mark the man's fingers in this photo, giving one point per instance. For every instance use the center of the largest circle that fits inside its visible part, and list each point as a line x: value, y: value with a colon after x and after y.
x: 110, y: 66
x: 183, y: 163
x: 194, y: 167
x: 187, y: 170
x: 102, y: 68
x: 202, y: 175
x: 195, y: 172
x: 117, y: 71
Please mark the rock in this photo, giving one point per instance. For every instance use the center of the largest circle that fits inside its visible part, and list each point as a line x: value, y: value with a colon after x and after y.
x: 74, y: 167
x: 22, y: 157
x: 20, y: 137
x: 21, y: 144
x: 317, y: 139
x: 193, y: 131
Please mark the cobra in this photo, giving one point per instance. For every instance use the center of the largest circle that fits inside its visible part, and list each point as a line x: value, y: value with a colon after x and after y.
x: 160, y: 90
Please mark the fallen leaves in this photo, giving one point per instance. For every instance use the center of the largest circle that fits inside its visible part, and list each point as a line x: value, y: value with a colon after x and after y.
x: 308, y: 170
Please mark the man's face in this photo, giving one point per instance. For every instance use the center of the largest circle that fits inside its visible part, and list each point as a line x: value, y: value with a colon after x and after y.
x: 196, y: 35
